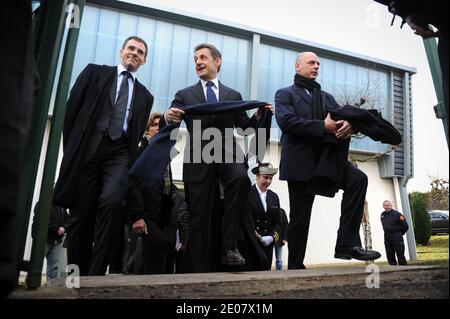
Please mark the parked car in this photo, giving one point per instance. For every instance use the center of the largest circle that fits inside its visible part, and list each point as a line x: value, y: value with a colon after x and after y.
x: 439, y: 221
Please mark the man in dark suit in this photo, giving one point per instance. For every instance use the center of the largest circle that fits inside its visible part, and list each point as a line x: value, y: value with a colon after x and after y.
x: 105, y: 119
x: 265, y: 207
x: 201, y: 176
x: 302, y: 114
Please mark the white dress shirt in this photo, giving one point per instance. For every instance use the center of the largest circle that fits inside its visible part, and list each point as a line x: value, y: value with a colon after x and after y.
x: 263, y: 197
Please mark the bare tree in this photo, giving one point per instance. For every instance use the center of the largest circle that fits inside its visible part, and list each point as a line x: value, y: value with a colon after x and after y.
x: 438, y: 195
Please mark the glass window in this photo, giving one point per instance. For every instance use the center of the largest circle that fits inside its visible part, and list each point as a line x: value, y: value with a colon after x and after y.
x: 347, y: 82
x: 170, y: 65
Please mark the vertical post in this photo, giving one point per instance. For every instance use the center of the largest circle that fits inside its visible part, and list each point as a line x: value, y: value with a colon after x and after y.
x: 38, y: 249
x: 440, y: 109
x: 48, y: 33
x: 410, y: 237
x: 254, y: 70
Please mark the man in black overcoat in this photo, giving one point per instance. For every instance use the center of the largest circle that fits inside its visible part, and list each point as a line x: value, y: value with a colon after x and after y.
x: 303, y: 114
x: 106, y: 115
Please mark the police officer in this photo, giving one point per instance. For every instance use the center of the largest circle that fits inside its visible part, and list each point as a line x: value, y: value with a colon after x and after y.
x: 394, y: 226
x: 265, y: 207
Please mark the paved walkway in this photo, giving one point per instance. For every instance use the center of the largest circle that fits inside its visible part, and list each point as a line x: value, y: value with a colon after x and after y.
x: 261, y: 284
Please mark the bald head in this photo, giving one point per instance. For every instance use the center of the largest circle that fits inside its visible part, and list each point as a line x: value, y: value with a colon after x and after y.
x: 307, y: 65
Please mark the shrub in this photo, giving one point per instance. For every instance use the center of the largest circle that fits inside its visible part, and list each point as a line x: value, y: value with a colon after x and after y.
x: 421, y: 219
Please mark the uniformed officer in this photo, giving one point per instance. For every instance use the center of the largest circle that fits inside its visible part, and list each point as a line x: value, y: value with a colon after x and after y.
x: 265, y: 207
x: 394, y: 226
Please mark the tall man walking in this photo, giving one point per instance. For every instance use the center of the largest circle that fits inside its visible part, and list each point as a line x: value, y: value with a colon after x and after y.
x: 105, y: 119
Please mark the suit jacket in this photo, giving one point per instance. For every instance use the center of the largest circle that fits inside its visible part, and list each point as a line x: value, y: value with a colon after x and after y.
x: 266, y: 223
x: 195, y: 172
x: 81, y: 134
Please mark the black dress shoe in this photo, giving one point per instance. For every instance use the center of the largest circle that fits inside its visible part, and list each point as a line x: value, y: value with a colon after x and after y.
x: 232, y: 257
x: 356, y: 252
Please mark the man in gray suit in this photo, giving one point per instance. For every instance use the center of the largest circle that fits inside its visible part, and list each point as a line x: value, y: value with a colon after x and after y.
x: 201, y: 178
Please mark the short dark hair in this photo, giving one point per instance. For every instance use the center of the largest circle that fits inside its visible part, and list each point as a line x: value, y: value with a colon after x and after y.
x: 214, y: 52
x: 135, y: 38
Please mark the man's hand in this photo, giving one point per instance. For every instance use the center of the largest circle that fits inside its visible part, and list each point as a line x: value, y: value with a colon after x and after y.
x: 140, y: 227
x: 330, y: 124
x: 345, y: 130
x: 258, y: 114
x: 61, y: 231
x: 173, y: 115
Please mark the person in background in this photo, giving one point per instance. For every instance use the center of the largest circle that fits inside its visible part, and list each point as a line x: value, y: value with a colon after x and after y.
x: 265, y: 207
x: 159, y: 220
x: 394, y: 226
x: 58, y: 224
x: 282, y: 241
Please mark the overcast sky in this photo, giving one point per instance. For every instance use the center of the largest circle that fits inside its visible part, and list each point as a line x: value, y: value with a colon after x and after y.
x: 360, y: 26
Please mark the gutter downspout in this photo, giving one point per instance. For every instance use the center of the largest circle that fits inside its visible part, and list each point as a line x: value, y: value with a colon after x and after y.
x: 410, y: 238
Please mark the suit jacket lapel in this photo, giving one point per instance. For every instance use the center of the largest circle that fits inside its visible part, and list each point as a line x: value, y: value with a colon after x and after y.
x: 197, y: 90
x: 257, y: 199
x: 269, y: 201
x: 113, y: 89
x: 223, y: 92
x: 307, y: 98
x: 136, y: 100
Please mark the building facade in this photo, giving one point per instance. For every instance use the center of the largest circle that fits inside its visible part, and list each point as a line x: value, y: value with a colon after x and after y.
x: 257, y: 63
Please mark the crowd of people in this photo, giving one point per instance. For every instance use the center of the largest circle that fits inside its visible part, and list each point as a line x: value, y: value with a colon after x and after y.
x: 220, y: 222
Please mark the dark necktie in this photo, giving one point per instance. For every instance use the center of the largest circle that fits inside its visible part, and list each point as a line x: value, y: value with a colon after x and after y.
x: 115, y: 128
x: 210, y: 95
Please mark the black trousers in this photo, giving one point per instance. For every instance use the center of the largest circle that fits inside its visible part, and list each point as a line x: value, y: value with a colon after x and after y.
x: 96, y: 218
x: 156, y: 251
x: 268, y: 250
x: 16, y: 107
x: 354, y: 186
x: 395, y: 245
x: 202, y: 198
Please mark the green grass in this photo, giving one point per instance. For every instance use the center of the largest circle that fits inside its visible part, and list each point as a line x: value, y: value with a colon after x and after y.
x: 435, y: 253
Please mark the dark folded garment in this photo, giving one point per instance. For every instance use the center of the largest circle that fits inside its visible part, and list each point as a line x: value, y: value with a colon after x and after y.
x: 369, y: 123
x: 149, y: 168
x: 332, y: 160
